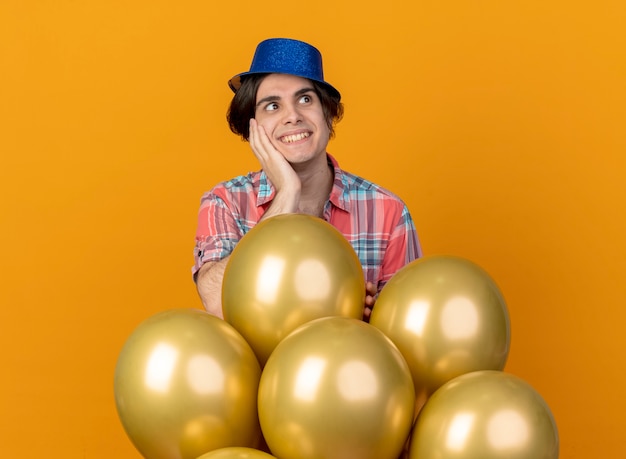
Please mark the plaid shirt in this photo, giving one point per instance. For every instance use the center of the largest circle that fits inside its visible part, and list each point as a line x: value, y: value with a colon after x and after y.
x: 375, y: 221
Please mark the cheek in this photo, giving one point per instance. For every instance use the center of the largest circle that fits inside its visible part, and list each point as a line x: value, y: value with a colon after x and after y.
x: 325, y: 130
x: 266, y: 122
x: 322, y: 123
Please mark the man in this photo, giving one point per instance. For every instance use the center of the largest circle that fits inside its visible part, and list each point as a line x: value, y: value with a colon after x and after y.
x: 287, y: 112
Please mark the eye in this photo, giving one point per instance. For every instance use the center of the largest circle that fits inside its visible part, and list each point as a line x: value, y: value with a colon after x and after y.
x: 271, y: 107
x: 306, y: 99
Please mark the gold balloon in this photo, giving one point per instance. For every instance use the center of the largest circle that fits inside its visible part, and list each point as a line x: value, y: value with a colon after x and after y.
x: 235, y: 452
x: 288, y: 270
x: 486, y: 415
x: 186, y: 383
x: 447, y: 317
x: 336, y: 388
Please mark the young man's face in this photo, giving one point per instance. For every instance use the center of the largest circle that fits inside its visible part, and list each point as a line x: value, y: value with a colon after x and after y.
x: 290, y: 111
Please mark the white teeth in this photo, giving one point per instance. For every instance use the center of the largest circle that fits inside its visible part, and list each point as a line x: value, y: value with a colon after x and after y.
x: 295, y: 137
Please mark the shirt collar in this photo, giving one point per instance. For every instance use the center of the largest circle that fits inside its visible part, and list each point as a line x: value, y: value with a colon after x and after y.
x: 266, y: 190
x: 339, y: 195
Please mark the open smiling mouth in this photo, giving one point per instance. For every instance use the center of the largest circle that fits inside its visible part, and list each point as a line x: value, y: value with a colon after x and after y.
x: 294, y: 137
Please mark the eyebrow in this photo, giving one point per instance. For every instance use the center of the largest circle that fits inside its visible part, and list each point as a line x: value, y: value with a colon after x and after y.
x: 299, y: 92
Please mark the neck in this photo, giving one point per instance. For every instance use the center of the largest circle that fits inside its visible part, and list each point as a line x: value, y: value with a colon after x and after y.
x: 316, y: 185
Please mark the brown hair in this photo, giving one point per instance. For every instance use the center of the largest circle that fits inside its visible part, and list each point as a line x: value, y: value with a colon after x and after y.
x: 242, y: 107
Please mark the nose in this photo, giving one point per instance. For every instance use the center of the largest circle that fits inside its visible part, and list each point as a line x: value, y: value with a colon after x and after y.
x: 292, y: 114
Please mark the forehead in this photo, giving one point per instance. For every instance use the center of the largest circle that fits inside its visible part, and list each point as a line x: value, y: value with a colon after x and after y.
x: 281, y: 85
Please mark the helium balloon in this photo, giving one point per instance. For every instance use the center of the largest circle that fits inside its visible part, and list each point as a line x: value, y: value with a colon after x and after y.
x: 235, y: 452
x: 186, y: 383
x: 336, y: 388
x: 286, y: 271
x: 447, y: 317
x: 488, y: 415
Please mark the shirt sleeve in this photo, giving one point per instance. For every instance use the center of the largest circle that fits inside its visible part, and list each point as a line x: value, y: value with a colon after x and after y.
x: 217, y: 232
x: 403, y: 248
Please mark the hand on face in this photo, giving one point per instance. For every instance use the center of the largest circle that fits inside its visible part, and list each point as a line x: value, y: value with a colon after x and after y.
x: 276, y: 167
x: 289, y: 135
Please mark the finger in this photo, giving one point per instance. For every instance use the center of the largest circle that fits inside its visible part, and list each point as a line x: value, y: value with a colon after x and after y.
x: 265, y: 142
x: 254, y: 136
x: 258, y: 147
x: 252, y: 126
x: 260, y: 143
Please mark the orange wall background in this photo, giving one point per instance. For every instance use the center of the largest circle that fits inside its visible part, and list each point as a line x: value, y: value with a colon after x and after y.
x: 501, y: 124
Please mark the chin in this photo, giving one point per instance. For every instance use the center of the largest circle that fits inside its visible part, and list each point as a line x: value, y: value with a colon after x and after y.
x: 302, y: 156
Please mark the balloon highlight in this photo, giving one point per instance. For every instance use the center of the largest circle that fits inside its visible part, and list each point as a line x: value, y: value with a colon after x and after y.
x: 186, y: 383
x: 486, y: 414
x: 447, y: 316
x: 336, y: 388
x: 288, y: 270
